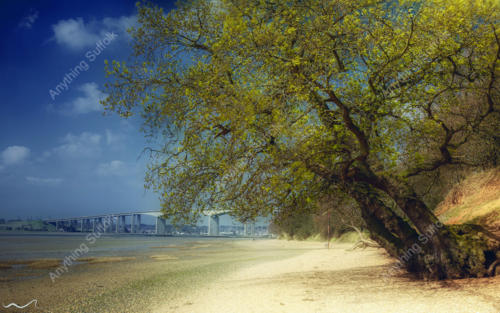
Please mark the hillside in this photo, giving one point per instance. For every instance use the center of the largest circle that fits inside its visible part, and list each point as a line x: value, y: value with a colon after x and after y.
x: 474, y: 200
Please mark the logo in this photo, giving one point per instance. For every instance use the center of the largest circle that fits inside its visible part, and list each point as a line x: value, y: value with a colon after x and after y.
x: 18, y: 306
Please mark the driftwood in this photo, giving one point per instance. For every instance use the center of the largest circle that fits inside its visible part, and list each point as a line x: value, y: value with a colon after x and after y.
x: 362, y: 242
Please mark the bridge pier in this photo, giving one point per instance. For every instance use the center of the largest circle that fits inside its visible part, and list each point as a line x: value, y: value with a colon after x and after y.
x: 116, y: 222
x: 161, y: 226
x: 88, y: 225
x: 249, y: 229
x: 123, y: 225
x: 213, y: 225
x: 135, y: 224
x: 108, y: 227
x: 99, y: 226
x: 74, y: 225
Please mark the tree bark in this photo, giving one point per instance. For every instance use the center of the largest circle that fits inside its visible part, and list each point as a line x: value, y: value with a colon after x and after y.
x: 422, y: 243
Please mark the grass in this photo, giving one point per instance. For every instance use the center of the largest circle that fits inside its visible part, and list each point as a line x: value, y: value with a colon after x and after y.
x: 316, y: 238
x: 347, y: 237
x: 474, y: 200
x: 350, y: 237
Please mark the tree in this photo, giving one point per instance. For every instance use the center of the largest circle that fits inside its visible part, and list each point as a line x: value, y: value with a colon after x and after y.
x: 265, y: 107
x: 298, y: 226
x: 340, y: 214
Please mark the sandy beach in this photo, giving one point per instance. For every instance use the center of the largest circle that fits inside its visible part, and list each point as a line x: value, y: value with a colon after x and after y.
x: 243, y: 276
x: 336, y: 280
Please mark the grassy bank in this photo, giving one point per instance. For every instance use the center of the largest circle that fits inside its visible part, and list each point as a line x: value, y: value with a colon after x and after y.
x: 474, y: 200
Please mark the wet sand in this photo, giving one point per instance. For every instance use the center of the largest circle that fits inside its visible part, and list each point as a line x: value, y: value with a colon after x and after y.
x: 243, y: 276
x: 137, y: 281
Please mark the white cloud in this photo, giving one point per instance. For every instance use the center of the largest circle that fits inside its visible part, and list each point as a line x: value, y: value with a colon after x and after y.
x: 43, y: 181
x: 86, y: 144
x: 113, y: 168
x: 28, y: 21
x: 14, y: 155
x: 90, y: 101
x: 120, y: 24
x: 75, y: 34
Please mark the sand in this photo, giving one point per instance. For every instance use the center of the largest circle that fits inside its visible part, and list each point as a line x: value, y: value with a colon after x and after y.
x: 243, y: 276
x: 335, y: 280
x: 137, y: 282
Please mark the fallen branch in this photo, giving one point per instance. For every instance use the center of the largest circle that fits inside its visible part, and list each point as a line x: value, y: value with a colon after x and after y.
x: 362, y: 242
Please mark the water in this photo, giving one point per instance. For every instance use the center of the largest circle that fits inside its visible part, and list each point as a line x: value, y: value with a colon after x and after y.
x: 26, y: 246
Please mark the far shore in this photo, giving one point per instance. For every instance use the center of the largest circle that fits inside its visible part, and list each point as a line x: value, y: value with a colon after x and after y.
x: 245, y: 276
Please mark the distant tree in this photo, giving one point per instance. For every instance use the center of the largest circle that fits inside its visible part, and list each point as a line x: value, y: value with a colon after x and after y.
x: 297, y: 226
x: 268, y: 106
x: 340, y: 213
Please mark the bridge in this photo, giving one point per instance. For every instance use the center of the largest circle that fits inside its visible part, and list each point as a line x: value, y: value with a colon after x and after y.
x: 106, y: 222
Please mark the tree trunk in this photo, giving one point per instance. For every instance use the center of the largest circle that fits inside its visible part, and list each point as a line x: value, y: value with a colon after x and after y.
x: 422, y: 244
x: 453, y: 251
x: 388, y: 229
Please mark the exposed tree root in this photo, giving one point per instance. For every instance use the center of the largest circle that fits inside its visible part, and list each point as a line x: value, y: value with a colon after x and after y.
x: 491, y: 269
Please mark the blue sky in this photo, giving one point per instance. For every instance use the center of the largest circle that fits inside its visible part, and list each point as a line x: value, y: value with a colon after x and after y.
x: 59, y: 155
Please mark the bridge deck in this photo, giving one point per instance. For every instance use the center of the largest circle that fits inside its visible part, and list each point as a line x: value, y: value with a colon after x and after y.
x: 151, y: 213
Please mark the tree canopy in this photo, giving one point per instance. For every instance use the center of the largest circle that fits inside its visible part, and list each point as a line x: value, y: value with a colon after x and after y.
x: 264, y: 107
x: 257, y: 98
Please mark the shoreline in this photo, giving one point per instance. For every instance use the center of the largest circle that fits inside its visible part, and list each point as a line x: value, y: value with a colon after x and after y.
x: 248, y: 276
x: 164, y: 270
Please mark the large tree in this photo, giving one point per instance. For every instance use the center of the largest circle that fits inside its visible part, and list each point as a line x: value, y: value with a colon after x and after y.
x: 266, y: 107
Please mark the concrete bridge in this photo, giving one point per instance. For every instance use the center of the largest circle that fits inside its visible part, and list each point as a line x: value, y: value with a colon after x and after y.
x: 117, y: 222
x: 213, y: 221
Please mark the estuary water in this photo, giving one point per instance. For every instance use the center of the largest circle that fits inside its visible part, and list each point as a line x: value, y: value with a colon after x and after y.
x: 26, y: 246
